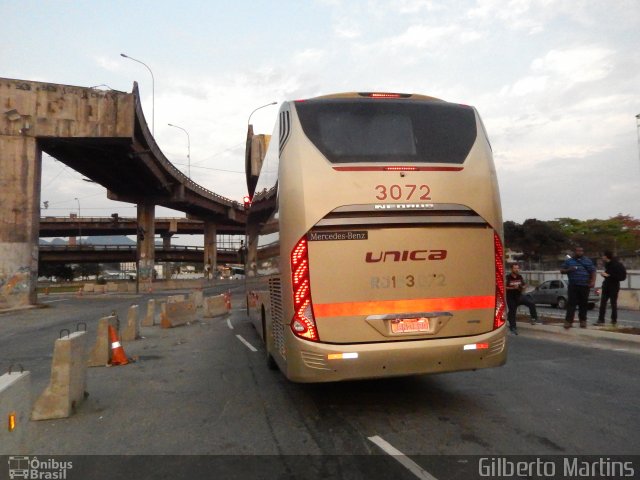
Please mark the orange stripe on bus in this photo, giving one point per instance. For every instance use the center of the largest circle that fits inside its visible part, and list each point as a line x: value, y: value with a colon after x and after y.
x: 403, y: 306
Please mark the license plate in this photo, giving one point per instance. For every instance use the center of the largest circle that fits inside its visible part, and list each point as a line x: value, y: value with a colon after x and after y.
x: 409, y: 325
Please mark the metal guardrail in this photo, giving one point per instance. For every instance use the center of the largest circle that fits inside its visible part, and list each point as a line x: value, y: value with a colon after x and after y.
x: 536, y: 277
x: 126, y: 248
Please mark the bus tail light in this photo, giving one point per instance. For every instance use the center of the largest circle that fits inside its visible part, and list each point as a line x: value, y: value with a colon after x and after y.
x: 303, y: 323
x: 499, y: 319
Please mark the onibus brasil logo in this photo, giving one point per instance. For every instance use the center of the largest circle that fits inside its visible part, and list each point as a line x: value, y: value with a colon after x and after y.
x: 33, y: 468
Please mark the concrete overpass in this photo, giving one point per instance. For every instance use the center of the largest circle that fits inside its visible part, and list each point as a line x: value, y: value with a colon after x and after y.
x: 75, y: 226
x: 104, y: 136
x: 127, y: 253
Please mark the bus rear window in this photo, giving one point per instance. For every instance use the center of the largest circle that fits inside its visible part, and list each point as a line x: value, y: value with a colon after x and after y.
x: 388, y: 131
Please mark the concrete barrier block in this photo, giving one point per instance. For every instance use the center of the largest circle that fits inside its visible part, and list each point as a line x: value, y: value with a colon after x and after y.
x: 197, y: 297
x: 15, y: 401
x: 177, y: 313
x: 175, y: 298
x: 122, y: 287
x: 629, y: 299
x: 99, y: 288
x: 89, y: 288
x: 67, y: 386
x: 112, y: 287
x: 150, y: 318
x: 214, y: 306
x: 131, y: 288
x: 100, y: 353
x: 132, y: 331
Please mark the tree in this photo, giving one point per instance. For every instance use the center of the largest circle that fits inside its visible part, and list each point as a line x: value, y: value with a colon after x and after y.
x: 535, y: 238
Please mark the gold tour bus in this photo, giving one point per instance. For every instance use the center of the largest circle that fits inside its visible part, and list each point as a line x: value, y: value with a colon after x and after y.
x: 374, y: 240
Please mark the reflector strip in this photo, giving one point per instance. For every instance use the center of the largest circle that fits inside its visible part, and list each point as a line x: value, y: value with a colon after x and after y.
x: 476, y: 346
x: 12, y: 421
x: 115, y: 345
x: 342, y: 356
x: 391, y: 168
x: 403, y: 306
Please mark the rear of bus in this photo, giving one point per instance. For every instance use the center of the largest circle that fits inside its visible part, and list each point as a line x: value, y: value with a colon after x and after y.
x: 390, y: 239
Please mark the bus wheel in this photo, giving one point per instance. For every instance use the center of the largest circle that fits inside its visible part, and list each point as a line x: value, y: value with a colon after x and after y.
x: 271, y: 363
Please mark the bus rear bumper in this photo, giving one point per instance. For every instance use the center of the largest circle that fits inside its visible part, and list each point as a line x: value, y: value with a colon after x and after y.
x: 317, y: 362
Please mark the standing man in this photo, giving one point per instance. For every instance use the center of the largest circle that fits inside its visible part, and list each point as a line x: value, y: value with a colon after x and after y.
x: 515, y: 284
x: 614, y: 273
x: 582, y: 277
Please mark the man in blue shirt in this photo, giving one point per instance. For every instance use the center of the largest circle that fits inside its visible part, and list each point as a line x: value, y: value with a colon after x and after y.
x: 582, y: 277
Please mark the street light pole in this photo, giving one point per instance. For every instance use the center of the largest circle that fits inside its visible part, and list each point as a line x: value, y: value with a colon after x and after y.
x: 255, y: 110
x: 153, y: 91
x: 638, y: 130
x: 188, y: 148
x: 79, y: 222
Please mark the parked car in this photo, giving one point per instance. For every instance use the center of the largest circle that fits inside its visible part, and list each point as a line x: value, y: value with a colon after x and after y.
x: 555, y: 293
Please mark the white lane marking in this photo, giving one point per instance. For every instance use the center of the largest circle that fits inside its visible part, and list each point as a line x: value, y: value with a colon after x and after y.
x: 249, y: 346
x: 52, y: 301
x: 402, y: 458
x: 229, y: 323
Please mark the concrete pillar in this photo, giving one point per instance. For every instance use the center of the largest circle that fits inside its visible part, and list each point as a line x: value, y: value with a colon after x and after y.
x: 166, y: 245
x: 20, y: 175
x: 146, y: 244
x: 210, y: 250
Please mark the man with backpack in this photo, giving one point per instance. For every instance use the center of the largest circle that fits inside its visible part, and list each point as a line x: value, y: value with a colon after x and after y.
x: 614, y: 273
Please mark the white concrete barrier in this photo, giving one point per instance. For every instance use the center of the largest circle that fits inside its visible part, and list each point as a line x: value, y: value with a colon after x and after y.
x: 15, y: 405
x: 629, y: 299
x: 214, y: 306
x: 100, y: 353
x: 132, y: 331
x: 67, y: 386
x: 150, y: 318
x: 177, y: 313
x: 197, y: 297
x: 175, y: 298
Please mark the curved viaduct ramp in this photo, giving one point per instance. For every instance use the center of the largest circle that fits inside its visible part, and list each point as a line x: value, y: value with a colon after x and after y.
x: 104, y: 136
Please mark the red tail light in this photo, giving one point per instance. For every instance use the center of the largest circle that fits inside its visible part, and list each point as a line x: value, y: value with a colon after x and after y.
x: 303, y: 323
x: 499, y: 319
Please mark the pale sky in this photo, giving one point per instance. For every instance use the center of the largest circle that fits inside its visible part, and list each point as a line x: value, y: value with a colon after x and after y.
x: 556, y: 82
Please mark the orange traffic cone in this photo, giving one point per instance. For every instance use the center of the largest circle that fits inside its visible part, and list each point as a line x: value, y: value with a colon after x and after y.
x: 118, y: 357
x: 227, y: 300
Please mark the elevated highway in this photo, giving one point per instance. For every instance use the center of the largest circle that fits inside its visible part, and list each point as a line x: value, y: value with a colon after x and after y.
x: 76, y: 226
x: 127, y: 253
x: 104, y: 136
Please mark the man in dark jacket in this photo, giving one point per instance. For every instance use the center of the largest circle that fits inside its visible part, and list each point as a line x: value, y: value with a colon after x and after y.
x: 614, y: 273
x: 582, y: 277
x: 515, y: 284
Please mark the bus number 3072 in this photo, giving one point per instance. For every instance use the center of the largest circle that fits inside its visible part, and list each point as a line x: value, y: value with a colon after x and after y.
x: 405, y: 192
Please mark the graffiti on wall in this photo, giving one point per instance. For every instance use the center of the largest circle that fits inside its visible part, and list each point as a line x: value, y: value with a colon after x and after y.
x: 16, y: 283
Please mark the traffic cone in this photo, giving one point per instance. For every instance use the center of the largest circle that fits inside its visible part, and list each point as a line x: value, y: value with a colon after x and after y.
x: 118, y: 357
x: 79, y: 294
x: 46, y: 291
x: 227, y: 300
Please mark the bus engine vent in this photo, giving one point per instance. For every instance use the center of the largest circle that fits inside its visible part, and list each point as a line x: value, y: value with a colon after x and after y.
x: 275, y: 294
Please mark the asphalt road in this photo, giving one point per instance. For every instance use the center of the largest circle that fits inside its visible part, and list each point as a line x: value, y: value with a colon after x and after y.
x: 201, y: 390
